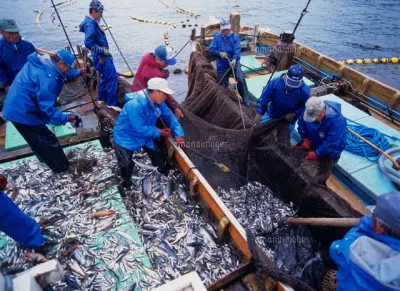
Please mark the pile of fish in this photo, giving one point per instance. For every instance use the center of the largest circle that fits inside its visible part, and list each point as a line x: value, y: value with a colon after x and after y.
x: 259, y: 210
x: 176, y: 234
x: 86, y: 231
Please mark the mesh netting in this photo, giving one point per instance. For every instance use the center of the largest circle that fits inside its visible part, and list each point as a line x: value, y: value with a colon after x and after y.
x: 263, y: 150
x: 262, y: 153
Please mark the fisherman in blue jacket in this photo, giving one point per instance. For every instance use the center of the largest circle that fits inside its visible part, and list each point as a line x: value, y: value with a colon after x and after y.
x: 16, y: 224
x: 368, y: 257
x: 14, y: 52
x: 285, y: 96
x: 96, y: 41
x: 136, y: 128
x: 322, y: 128
x: 226, y: 47
x: 30, y: 105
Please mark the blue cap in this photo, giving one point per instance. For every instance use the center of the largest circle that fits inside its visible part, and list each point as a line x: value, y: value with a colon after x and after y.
x: 67, y: 57
x: 96, y: 4
x: 388, y: 209
x: 294, y: 76
x: 166, y: 54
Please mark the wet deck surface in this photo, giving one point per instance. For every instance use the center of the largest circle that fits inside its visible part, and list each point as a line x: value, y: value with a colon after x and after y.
x: 114, y: 254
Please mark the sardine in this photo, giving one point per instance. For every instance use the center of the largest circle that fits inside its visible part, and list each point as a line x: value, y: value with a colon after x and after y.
x: 144, y: 166
x: 153, y: 274
x: 169, y: 250
x: 72, y: 283
x: 74, y: 267
x: 182, y: 193
x: 79, y: 257
x: 168, y: 190
x: 146, y: 186
x: 103, y: 213
x: 207, y: 237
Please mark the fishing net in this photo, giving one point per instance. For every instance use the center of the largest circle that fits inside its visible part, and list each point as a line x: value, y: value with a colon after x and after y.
x: 263, y: 150
x: 262, y: 153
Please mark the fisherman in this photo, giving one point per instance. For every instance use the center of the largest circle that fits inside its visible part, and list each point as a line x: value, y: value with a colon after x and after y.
x: 30, y: 105
x: 13, y: 52
x: 16, y: 224
x: 284, y: 96
x: 96, y: 41
x: 226, y: 47
x: 153, y: 66
x: 368, y: 257
x: 136, y: 128
x: 322, y: 128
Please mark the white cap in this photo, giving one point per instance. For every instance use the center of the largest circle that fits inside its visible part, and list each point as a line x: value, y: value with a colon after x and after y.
x: 225, y: 24
x: 314, y: 107
x: 159, y: 84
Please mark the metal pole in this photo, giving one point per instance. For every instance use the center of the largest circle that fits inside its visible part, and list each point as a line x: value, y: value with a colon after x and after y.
x: 72, y: 48
x: 294, y: 30
x: 115, y: 42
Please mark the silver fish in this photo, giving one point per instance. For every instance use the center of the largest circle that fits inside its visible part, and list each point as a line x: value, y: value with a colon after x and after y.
x: 144, y: 166
x: 182, y: 194
x: 146, y: 186
x: 74, y: 266
x: 79, y: 257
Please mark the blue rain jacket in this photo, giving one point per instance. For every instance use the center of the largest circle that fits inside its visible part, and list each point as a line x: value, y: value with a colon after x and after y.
x: 17, y: 225
x: 95, y: 37
x: 328, y: 137
x: 230, y: 45
x: 136, y: 124
x: 278, y: 100
x: 32, y: 96
x: 12, y: 58
x: 96, y: 41
x: 350, y: 275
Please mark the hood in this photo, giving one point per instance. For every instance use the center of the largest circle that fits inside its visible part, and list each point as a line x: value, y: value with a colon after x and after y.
x: 149, y: 60
x: 333, y: 110
x: 43, y: 61
x: 86, y: 21
x: 365, y: 225
x: 9, y: 44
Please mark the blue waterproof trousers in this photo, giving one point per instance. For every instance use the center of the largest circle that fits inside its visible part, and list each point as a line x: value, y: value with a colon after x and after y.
x: 108, y: 85
x: 17, y: 225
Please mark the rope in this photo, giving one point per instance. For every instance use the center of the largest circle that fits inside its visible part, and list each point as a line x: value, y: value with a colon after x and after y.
x: 237, y: 94
x: 358, y: 147
x: 116, y: 44
x: 254, y: 71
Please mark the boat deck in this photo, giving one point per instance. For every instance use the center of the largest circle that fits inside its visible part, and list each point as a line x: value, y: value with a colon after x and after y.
x: 357, y: 172
x: 101, y: 242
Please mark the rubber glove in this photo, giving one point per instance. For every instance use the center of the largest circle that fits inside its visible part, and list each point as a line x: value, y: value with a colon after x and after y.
x: 165, y: 132
x: 223, y: 55
x: 312, y: 156
x: 306, y: 145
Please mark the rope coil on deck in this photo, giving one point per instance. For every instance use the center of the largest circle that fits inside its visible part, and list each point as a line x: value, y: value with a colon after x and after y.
x: 358, y: 147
